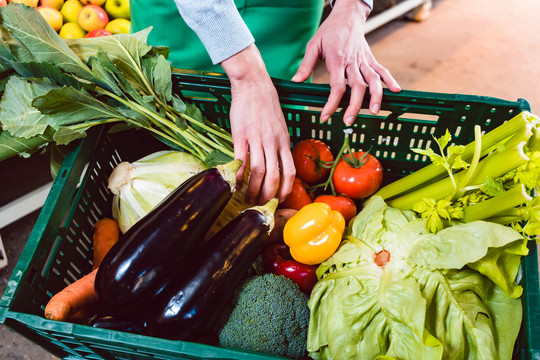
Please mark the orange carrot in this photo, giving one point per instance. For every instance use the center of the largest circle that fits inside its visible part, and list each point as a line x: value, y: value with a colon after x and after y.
x: 106, y: 234
x: 74, y: 297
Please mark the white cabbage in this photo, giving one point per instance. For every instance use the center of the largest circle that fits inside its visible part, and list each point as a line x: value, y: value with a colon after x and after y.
x: 139, y: 186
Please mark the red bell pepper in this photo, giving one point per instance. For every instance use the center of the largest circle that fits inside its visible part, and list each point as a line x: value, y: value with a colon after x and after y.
x: 277, y: 259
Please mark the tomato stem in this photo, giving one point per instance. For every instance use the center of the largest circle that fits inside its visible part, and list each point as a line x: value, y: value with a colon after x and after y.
x: 329, y: 181
x: 319, y: 164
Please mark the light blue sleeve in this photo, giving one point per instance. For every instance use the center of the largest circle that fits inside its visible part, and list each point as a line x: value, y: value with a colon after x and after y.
x: 209, y: 18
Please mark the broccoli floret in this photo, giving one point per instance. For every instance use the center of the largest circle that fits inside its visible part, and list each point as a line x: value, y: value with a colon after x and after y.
x: 270, y: 315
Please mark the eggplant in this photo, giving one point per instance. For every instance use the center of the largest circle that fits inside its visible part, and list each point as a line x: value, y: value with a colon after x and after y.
x: 194, y: 299
x: 147, y: 256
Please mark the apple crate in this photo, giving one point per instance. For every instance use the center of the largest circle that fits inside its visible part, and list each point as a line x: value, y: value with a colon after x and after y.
x: 59, y: 249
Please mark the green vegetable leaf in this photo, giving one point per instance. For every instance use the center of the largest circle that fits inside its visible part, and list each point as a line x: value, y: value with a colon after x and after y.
x: 501, y: 265
x: 492, y: 187
x: 105, y: 78
x: 71, y: 106
x: 158, y: 70
x: 216, y: 157
x: 124, y: 51
x: 426, y: 302
x: 65, y: 135
x: 11, y: 145
x: 127, y: 86
x: 444, y: 140
x: 435, y: 158
x: 32, y: 31
x: 459, y: 163
x: 178, y: 104
x: 46, y: 70
x: 18, y: 116
x: 195, y: 114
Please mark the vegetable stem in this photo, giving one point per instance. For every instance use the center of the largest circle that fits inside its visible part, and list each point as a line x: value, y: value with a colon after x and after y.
x: 432, y: 172
x: 492, y: 166
x: 474, y: 164
x: 512, y: 198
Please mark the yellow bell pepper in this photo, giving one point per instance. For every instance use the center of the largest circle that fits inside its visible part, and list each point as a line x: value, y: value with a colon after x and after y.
x: 314, y: 233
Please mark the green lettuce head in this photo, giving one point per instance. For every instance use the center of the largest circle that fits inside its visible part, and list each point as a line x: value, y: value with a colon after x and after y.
x: 395, y: 291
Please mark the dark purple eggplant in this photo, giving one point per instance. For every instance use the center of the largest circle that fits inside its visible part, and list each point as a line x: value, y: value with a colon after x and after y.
x: 193, y: 300
x: 132, y: 323
x: 148, y: 255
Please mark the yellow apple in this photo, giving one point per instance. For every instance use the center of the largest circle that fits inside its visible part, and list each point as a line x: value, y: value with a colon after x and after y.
x: 72, y: 30
x: 92, y: 17
x: 31, y: 3
x: 70, y: 10
x: 57, y: 4
x: 52, y: 16
x: 118, y: 26
x: 93, y: 2
x: 118, y: 9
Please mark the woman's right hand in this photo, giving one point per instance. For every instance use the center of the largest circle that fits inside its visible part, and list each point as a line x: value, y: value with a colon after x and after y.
x: 258, y: 128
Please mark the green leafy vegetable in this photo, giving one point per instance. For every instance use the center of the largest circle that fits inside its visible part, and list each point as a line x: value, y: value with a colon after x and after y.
x: 66, y: 87
x: 484, y: 180
x: 450, y: 295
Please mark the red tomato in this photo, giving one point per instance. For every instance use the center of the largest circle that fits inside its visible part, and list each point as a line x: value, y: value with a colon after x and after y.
x: 309, y: 156
x: 298, y: 198
x: 343, y: 204
x: 358, y: 182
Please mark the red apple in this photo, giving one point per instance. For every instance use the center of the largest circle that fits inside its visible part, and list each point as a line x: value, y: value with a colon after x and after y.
x: 3, y: 3
x: 92, y: 17
x: 93, y: 2
x: 98, y: 32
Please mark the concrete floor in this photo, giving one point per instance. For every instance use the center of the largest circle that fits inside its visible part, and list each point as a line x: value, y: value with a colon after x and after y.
x: 479, y: 47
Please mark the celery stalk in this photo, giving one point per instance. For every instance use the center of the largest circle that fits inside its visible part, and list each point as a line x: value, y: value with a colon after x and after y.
x: 510, y: 199
x: 492, y: 166
x: 519, y: 124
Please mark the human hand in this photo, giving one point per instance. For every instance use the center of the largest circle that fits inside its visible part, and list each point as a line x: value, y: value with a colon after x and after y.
x: 258, y: 128
x: 340, y: 41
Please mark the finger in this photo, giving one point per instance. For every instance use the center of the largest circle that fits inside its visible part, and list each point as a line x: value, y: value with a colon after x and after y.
x: 241, y: 152
x: 288, y: 172
x: 375, y: 87
x: 386, y: 77
x: 271, y: 177
x: 257, y: 164
x: 358, y: 90
x: 308, y: 63
x: 337, y: 89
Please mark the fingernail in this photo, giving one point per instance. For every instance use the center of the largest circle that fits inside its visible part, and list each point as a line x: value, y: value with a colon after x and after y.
x: 325, y: 117
x: 296, y: 77
x: 374, y: 109
x: 349, y: 120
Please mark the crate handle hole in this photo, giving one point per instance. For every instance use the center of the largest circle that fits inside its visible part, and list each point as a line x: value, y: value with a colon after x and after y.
x: 423, y: 118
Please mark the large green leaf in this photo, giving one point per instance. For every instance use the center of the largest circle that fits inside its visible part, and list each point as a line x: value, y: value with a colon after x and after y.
x: 158, y: 70
x: 124, y: 51
x: 11, y: 145
x: 71, y: 106
x: 32, y: 31
x: 46, y: 70
x: 426, y: 302
x: 18, y: 116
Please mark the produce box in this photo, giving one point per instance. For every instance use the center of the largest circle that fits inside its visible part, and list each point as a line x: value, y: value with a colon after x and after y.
x: 59, y: 249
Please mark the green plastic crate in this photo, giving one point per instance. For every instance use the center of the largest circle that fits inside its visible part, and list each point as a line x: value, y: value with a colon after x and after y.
x: 59, y: 249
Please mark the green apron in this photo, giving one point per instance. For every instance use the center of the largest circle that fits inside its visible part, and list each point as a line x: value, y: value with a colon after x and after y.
x: 281, y: 28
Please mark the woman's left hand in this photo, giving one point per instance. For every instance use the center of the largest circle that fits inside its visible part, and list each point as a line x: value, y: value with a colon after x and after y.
x: 341, y: 43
